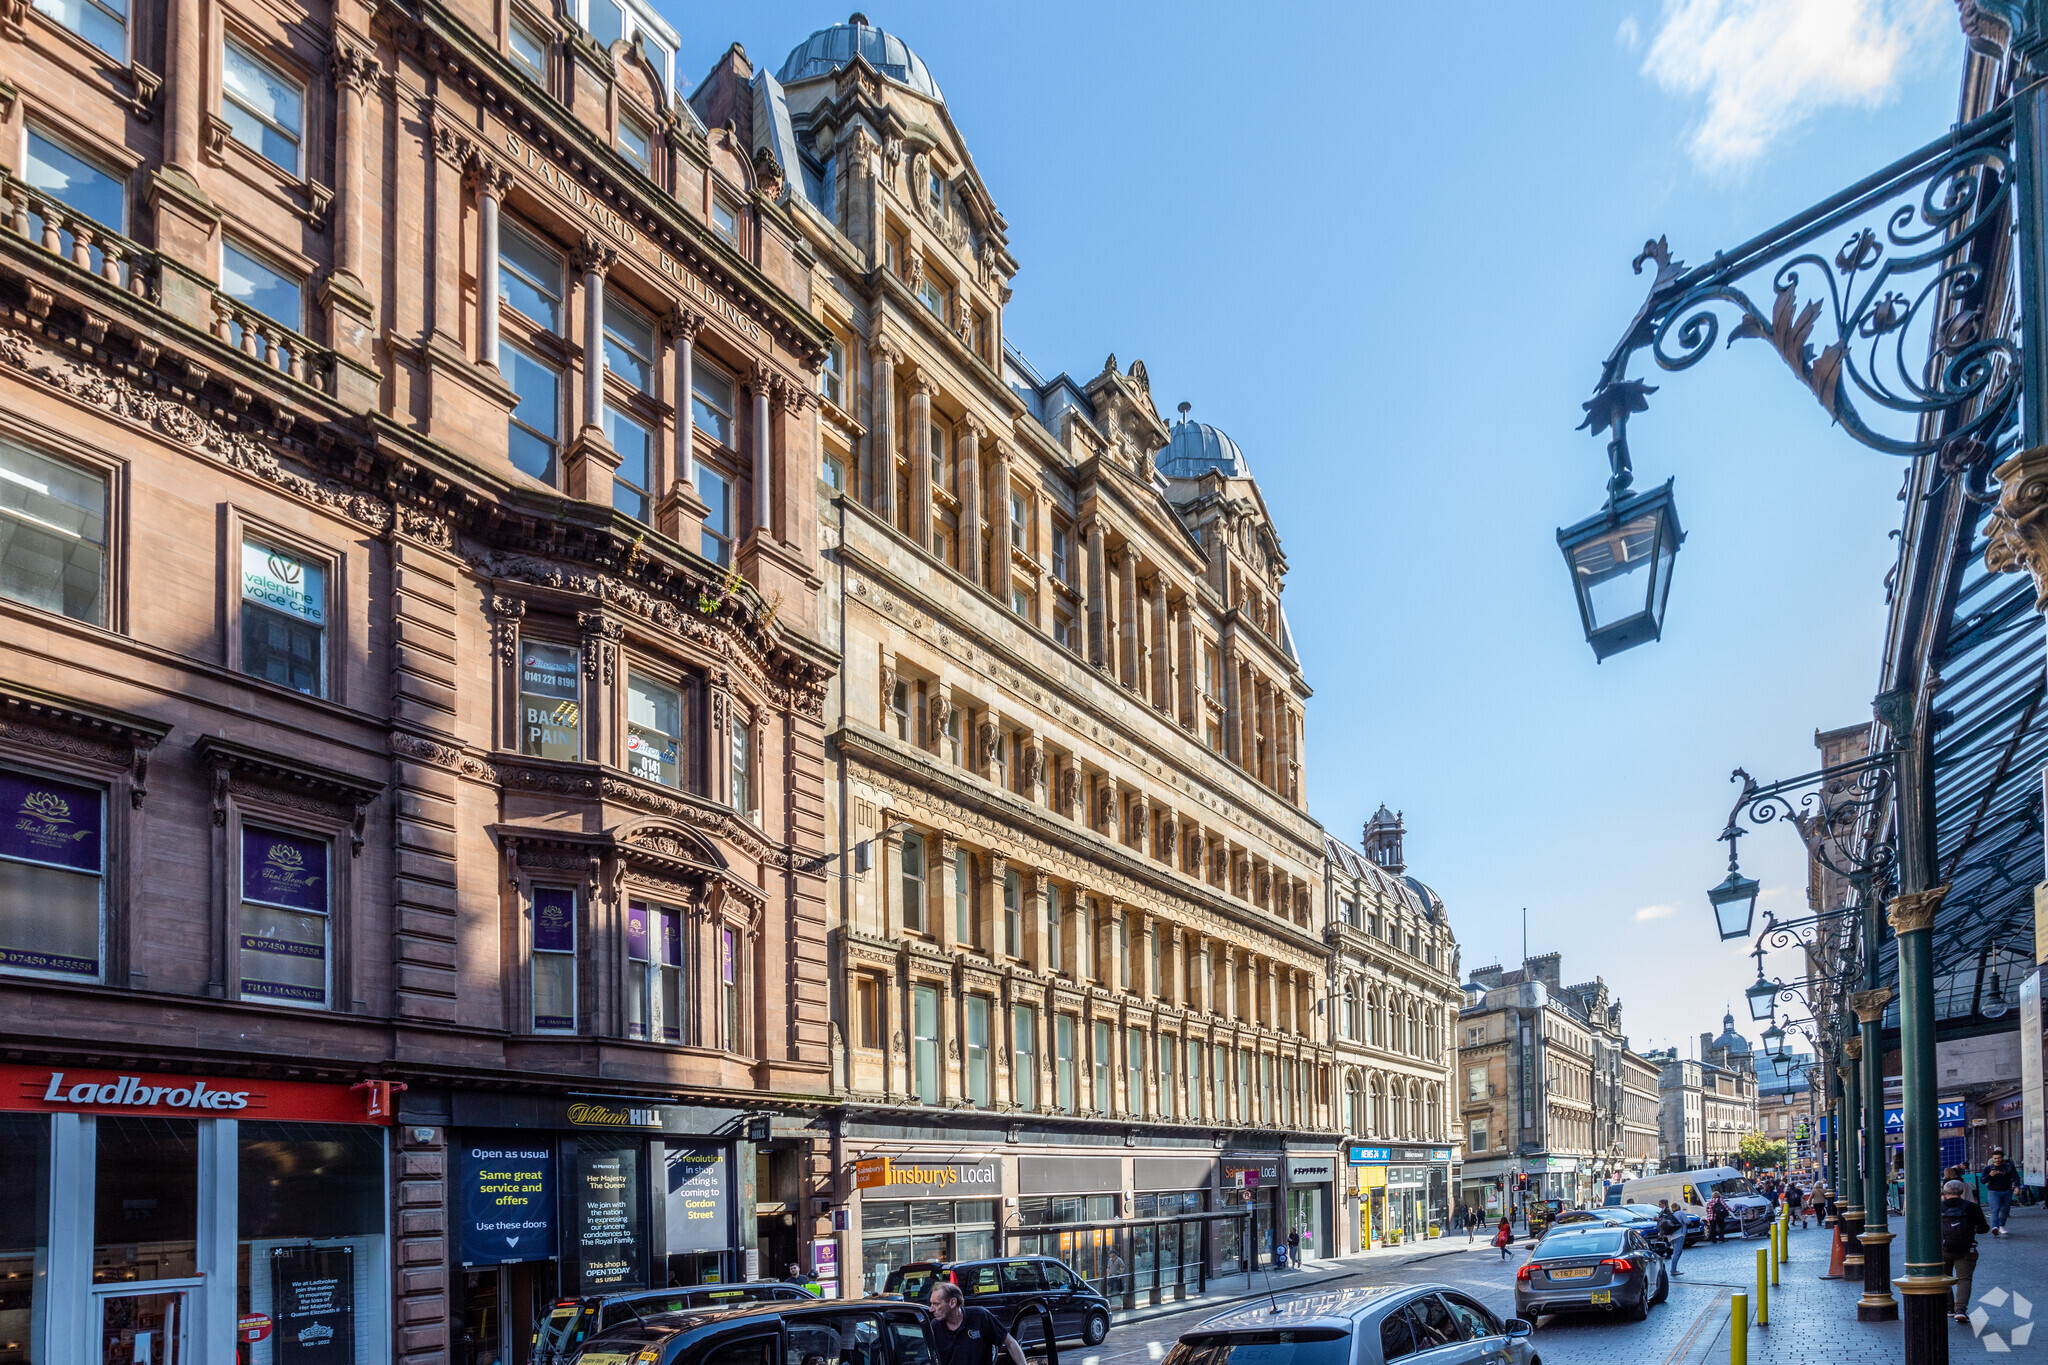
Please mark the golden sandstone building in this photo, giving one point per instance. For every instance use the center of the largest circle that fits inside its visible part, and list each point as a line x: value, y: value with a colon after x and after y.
x: 572, y: 718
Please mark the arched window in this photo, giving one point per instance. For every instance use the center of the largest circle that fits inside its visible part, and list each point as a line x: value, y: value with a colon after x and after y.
x: 1433, y: 1133
x: 1379, y: 1108
x: 1414, y: 1032
x: 1393, y: 1039
x: 1414, y: 1111
x: 1372, y: 1014
x: 1354, y: 1105
x: 1354, y: 1011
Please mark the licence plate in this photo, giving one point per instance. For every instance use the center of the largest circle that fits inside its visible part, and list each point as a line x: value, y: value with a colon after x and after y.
x: 1603, y: 1296
x: 1581, y: 1273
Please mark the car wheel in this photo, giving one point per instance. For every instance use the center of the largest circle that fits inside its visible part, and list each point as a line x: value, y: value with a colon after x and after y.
x: 1663, y: 1285
x: 1642, y: 1306
x: 1095, y: 1328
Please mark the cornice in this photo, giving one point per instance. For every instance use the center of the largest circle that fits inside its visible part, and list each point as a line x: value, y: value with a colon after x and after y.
x: 930, y: 781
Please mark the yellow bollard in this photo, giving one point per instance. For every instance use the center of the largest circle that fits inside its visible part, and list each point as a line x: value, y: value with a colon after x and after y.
x: 1763, y: 1288
x: 1776, y: 1233
x: 1785, y: 1238
x: 1738, y: 1329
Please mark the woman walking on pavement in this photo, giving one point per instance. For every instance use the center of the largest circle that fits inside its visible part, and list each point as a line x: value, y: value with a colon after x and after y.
x: 1672, y: 1224
x: 1504, y: 1237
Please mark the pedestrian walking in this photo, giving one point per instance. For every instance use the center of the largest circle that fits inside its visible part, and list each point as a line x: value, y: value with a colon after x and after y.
x: 1999, y: 1178
x: 1672, y: 1224
x: 1961, y: 1221
x: 1717, y: 1209
x: 1795, y: 1203
x: 1504, y: 1237
x: 1471, y: 1226
x: 1294, y: 1247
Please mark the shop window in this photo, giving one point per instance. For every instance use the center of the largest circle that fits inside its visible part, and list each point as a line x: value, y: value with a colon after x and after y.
x: 533, y: 434
x: 977, y: 1051
x: 284, y: 612
x: 1063, y: 1062
x: 76, y: 183
x: 654, y: 730
x: 713, y: 401
x: 715, y: 543
x: 145, y: 1200
x: 924, y: 1043
x: 554, y: 960
x: 1024, y: 1051
x: 53, y: 534
x: 530, y: 276
x: 24, y: 1234
x: 528, y: 46
x: 634, y: 477
x: 963, y: 898
x: 103, y: 23
x: 912, y: 884
x: 311, y: 1235
x: 1104, y: 1054
x: 897, y: 1231
x: 1134, y: 1070
x: 550, y: 709
x: 52, y: 885
x: 286, y: 918
x: 264, y: 109
x: 1013, y: 913
x: 654, y: 979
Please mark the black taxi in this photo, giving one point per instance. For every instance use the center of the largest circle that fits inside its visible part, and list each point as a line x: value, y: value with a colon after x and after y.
x: 821, y: 1332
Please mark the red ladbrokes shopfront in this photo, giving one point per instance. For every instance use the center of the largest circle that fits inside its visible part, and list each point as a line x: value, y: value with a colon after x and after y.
x: 191, y: 1220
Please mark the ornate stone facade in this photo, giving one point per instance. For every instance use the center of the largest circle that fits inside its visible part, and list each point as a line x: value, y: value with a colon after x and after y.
x: 418, y: 410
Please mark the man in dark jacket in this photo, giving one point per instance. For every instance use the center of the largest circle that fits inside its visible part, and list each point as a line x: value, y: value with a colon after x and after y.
x: 1999, y: 1178
x: 1961, y: 1221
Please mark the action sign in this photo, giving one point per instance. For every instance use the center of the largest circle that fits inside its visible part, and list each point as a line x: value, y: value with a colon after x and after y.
x: 508, y: 1202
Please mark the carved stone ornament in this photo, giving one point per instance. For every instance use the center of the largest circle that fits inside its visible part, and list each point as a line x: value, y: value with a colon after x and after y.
x: 1070, y: 791
x: 352, y: 69
x: 119, y: 397
x: 1914, y: 910
x: 506, y: 613
x: 1852, y: 1048
x: 2019, y: 528
x: 1870, y: 1005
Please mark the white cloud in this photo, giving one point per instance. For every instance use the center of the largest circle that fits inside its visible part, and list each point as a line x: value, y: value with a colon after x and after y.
x: 1630, y: 34
x: 1763, y: 67
x: 1649, y: 912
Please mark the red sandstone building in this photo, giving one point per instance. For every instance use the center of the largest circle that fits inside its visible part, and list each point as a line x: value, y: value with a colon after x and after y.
x: 412, y: 870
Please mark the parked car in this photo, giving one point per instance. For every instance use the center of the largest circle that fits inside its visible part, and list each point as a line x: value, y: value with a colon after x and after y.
x: 1584, y: 1268
x: 1359, y: 1327
x: 1633, y: 1219
x: 835, y: 1332
x: 1010, y: 1284
x: 570, y: 1322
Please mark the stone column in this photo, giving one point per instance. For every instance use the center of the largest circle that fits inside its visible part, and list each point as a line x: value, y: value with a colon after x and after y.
x: 992, y: 940
x: 451, y: 149
x: 1176, y: 966
x: 971, y: 551
x: 921, y: 471
x: 1233, y: 707
x: 591, y: 261
x: 1127, y: 614
x: 491, y: 184
x: 761, y: 383
x: 882, y: 433
x: 1162, y: 660
x: 1098, y: 625
x: 999, y: 520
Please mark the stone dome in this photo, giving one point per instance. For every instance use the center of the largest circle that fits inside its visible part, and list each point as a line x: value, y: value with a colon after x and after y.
x: 1195, y: 448
x: 831, y: 48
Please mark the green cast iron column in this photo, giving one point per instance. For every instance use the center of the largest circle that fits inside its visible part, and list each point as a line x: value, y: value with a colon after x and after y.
x: 1926, y: 1277
x: 1852, y: 1161
x: 1877, y: 1303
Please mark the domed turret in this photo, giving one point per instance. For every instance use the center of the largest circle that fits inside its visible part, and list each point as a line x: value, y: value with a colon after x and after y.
x: 1195, y: 448
x: 831, y: 48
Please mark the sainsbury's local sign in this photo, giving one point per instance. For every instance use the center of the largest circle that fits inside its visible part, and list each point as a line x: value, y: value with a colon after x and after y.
x: 68, y: 1090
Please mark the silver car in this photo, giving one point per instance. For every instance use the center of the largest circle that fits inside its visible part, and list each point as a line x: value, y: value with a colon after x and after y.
x: 1430, y: 1324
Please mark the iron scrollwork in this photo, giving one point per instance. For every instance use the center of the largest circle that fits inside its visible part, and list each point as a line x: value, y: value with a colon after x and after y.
x: 1888, y: 269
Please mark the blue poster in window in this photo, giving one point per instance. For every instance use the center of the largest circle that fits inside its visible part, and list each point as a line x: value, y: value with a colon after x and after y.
x: 284, y: 869
x: 554, y: 919
x: 507, y: 1197
x: 45, y: 821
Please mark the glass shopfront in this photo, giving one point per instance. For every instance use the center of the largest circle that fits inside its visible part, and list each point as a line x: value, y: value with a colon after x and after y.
x: 191, y: 1239
x: 1414, y: 1200
x: 914, y: 1208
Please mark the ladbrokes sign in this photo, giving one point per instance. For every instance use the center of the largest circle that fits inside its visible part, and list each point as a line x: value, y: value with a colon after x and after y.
x: 68, y: 1090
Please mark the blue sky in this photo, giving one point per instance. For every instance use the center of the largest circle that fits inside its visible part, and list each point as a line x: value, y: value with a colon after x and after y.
x: 1385, y: 247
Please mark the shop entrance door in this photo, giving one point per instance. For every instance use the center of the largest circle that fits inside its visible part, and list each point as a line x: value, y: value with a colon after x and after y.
x: 143, y: 1329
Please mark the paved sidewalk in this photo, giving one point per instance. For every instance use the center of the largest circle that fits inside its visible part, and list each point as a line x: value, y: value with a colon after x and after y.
x: 1813, y: 1321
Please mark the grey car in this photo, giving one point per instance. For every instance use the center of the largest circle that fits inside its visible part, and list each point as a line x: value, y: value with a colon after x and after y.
x: 1430, y: 1324
x: 1589, y: 1268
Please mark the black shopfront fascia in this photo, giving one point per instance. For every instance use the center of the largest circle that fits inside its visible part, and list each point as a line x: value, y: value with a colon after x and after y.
x: 611, y: 1163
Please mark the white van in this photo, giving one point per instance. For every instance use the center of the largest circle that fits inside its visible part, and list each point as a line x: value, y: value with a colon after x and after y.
x: 1748, y: 1212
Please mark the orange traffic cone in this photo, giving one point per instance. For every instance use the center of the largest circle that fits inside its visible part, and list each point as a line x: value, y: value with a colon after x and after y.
x: 1835, y: 1255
